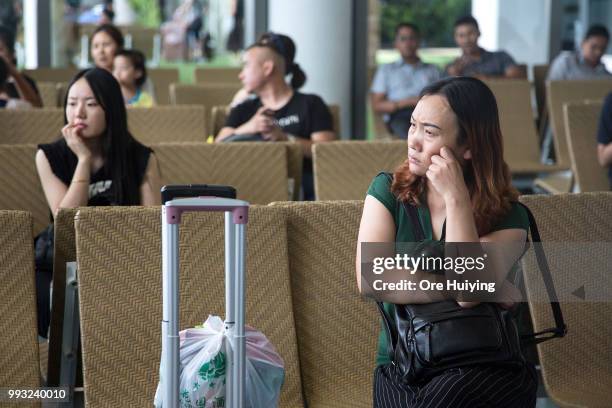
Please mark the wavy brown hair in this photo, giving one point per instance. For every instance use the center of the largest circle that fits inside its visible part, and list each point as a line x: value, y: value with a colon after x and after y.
x: 486, y: 175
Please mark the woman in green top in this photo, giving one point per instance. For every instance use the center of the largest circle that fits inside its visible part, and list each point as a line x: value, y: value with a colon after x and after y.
x: 456, y: 176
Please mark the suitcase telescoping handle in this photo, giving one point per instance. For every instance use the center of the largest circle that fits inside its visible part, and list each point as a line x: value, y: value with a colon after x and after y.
x: 236, y: 218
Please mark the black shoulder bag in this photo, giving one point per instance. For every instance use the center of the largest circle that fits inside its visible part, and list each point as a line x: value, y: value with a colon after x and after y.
x: 427, y: 339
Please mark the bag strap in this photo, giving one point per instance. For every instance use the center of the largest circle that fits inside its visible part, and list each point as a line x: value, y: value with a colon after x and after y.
x: 561, y: 329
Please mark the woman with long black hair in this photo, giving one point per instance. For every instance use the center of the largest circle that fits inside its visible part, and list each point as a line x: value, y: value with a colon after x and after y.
x: 96, y: 162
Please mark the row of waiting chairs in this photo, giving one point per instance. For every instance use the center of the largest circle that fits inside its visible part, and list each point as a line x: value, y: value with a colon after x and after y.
x: 266, y: 172
x: 52, y: 78
x: 301, y: 293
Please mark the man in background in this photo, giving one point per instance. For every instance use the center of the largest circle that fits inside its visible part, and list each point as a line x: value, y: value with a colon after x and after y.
x: 396, y: 86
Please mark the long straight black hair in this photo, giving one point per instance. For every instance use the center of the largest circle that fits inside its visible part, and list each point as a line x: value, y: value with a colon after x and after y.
x: 117, y: 142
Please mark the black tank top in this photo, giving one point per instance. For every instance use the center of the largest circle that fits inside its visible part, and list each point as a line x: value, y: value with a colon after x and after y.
x: 63, y: 163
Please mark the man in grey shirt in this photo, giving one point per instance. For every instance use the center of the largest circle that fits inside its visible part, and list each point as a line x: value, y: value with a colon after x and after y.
x: 585, y: 63
x: 396, y: 86
x: 476, y: 61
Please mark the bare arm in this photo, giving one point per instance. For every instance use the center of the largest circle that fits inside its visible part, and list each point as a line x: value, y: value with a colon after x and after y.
x: 57, y: 193
x: 149, y: 189
x: 26, y: 92
x: 604, y: 154
x: 377, y: 225
x: 381, y: 104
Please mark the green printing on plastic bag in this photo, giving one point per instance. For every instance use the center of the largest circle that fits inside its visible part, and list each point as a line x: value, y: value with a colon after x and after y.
x: 213, y: 369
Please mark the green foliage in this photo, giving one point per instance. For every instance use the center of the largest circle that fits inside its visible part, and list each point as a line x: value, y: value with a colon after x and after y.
x: 147, y: 12
x: 434, y: 18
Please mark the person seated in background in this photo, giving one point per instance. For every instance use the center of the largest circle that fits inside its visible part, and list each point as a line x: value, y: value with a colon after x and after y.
x: 106, y: 41
x: 476, y: 61
x: 584, y: 63
x: 279, y: 112
x: 18, y: 85
x: 130, y: 71
x: 96, y: 161
x: 6, y: 102
x: 396, y: 86
x: 604, y: 137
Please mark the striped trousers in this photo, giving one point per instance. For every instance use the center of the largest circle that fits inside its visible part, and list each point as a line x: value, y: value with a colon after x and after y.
x: 469, y: 387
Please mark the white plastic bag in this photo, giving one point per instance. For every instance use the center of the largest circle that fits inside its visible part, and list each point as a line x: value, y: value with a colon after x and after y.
x: 203, y: 368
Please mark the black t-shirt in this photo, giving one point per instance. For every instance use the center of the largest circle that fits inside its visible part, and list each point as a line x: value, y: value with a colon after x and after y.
x: 303, y: 115
x: 604, y: 132
x: 11, y: 88
x: 63, y: 163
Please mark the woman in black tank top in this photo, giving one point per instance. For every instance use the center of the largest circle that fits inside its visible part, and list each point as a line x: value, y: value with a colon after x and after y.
x: 95, y: 162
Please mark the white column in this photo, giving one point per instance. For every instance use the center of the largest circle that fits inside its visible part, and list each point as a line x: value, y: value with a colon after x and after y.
x: 322, y: 32
x: 30, y: 24
x: 520, y: 27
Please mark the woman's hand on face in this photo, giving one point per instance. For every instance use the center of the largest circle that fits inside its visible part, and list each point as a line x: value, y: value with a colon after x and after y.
x: 446, y: 175
x: 74, y: 140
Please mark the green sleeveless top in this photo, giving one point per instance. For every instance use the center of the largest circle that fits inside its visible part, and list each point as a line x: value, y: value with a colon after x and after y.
x: 380, y: 189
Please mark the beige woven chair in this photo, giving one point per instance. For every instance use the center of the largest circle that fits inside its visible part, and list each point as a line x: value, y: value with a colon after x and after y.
x: 168, y: 124
x: 521, y: 142
x: 344, y: 170
x: 337, y: 330
x: 581, y: 120
x: 208, y: 95
x: 19, y: 361
x: 20, y: 188
x: 48, y: 93
x: 258, y: 171
x: 142, y: 38
x: 64, y: 251
x: 577, y: 369
x: 227, y: 75
x: 30, y: 126
x: 295, y: 163
x: 119, y: 257
x: 161, y: 79
x: 561, y: 92
x: 52, y: 74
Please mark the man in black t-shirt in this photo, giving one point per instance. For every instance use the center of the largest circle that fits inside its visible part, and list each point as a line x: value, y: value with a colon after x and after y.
x: 279, y: 112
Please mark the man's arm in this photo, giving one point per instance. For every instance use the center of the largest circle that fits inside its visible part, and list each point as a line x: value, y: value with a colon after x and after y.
x: 381, y: 104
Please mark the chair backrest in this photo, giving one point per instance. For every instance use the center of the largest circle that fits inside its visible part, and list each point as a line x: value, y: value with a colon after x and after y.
x: 521, y: 142
x: 258, y: 171
x: 577, y: 369
x: 30, y: 126
x: 581, y: 120
x: 19, y: 362
x: 540, y: 71
x: 227, y: 75
x: 168, y: 124
x: 121, y: 301
x: 49, y: 94
x: 337, y: 330
x: 52, y: 74
x: 344, y: 170
x: 64, y: 250
x: 295, y: 167
x: 20, y: 188
x: 335, y: 112
x: 161, y: 79
x: 561, y: 92
x: 142, y: 39
x: 218, y: 116
x: 203, y: 94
